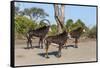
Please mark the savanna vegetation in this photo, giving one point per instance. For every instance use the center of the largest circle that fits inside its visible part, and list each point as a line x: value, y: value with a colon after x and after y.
x: 29, y: 19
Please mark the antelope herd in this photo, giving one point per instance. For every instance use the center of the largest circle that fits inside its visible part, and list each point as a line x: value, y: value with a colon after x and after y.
x: 59, y: 39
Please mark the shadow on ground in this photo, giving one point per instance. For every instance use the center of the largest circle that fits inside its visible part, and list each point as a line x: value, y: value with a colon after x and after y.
x: 67, y: 46
x: 38, y: 47
x: 55, y: 53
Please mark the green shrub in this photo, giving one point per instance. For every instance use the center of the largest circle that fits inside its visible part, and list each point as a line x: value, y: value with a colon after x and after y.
x: 92, y: 32
x: 23, y: 24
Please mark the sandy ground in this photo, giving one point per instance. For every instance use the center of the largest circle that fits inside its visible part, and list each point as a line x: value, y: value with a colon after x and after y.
x: 86, y: 51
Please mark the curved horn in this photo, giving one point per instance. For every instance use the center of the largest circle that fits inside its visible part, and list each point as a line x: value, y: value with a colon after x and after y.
x: 46, y: 20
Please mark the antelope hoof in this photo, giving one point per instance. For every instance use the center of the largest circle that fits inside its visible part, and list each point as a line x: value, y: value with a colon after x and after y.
x: 41, y: 47
x: 65, y: 47
x: 32, y: 47
x: 27, y: 48
x: 47, y: 57
x: 58, y: 56
x: 76, y: 46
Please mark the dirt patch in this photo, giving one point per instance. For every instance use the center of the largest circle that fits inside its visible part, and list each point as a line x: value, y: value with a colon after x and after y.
x: 86, y: 51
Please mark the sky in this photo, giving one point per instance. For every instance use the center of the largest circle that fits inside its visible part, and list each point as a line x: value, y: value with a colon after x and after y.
x: 85, y: 13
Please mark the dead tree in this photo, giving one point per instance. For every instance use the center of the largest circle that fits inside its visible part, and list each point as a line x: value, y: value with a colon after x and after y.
x: 59, y: 17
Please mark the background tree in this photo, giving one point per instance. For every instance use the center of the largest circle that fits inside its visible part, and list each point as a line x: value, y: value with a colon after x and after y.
x: 34, y: 13
x: 41, y: 24
x: 54, y: 29
x: 69, y: 24
x: 16, y: 10
x: 22, y: 25
x: 27, y: 19
x: 80, y: 23
x: 39, y: 13
x: 92, y: 33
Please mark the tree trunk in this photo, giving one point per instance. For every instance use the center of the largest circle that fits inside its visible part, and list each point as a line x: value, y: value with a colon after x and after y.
x: 62, y: 14
x: 59, y: 17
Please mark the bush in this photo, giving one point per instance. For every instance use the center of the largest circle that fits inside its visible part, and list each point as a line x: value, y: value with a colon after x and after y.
x: 23, y: 24
x: 53, y: 30
x: 92, y: 32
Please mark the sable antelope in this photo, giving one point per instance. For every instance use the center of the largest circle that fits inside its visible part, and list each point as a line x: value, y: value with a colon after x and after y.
x: 39, y: 32
x: 76, y: 34
x: 59, y: 39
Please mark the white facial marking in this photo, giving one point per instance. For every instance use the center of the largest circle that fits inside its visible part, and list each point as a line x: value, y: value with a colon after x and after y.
x: 69, y: 36
x: 49, y: 29
x: 84, y: 30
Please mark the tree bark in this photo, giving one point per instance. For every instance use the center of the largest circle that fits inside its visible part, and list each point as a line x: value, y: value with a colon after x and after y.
x: 59, y: 17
